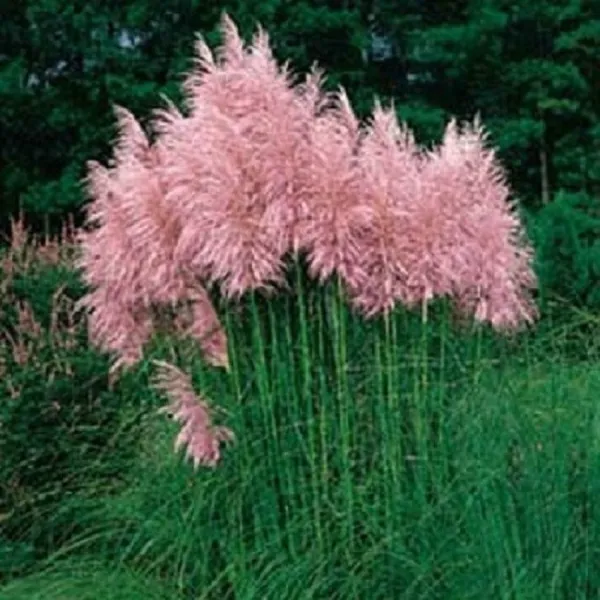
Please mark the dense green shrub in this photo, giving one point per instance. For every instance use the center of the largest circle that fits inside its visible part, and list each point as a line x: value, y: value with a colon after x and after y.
x: 567, y: 239
x: 59, y: 415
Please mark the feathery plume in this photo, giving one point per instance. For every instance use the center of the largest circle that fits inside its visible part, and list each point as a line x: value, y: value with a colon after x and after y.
x: 336, y: 214
x: 127, y: 257
x: 198, y: 435
x: 231, y: 166
x: 487, y: 251
x: 389, y: 163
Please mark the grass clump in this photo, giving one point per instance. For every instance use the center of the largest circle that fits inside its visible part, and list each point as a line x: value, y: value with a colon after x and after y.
x: 344, y: 484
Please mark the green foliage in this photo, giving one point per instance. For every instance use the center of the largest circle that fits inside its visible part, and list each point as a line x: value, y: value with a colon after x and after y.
x: 567, y: 238
x: 87, y: 580
x: 59, y: 415
x: 359, y: 470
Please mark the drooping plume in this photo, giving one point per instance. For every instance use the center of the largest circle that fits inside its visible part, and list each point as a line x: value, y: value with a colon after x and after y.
x: 127, y: 254
x: 200, y: 437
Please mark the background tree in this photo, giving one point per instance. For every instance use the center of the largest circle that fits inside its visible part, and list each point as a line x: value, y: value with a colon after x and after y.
x: 526, y: 67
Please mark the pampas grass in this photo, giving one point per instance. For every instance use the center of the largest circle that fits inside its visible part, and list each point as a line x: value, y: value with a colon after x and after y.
x: 260, y: 168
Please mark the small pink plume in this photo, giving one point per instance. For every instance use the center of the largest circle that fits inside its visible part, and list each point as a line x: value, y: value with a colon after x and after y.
x: 198, y: 435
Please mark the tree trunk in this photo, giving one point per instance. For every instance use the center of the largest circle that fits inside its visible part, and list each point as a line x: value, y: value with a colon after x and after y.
x: 545, y: 185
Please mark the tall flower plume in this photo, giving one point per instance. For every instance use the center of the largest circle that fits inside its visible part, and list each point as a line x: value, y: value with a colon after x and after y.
x: 127, y: 254
x: 491, y: 258
x: 231, y: 164
x: 336, y: 214
x: 390, y: 167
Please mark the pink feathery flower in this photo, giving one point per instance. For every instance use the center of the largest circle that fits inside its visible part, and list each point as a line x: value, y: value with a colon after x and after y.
x: 198, y: 434
x: 441, y: 225
x: 389, y: 164
x: 336, y: 214
x: 216, y: 186
x: 117, y: 321
x: 231, y: 165
x: 487, y: 250
x: 116, y: 327
x: 127, y: 255
x: 366, y: 212
x: 125, y: 247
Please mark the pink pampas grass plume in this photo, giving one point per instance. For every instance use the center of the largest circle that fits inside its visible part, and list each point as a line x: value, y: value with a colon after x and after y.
x: 200, y: 437
x: 232, y: 164
x: 127, y: 252
x: 489, y: 255
x: 389, y: 163
x: 415, y: 229
x: 337, y: 214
